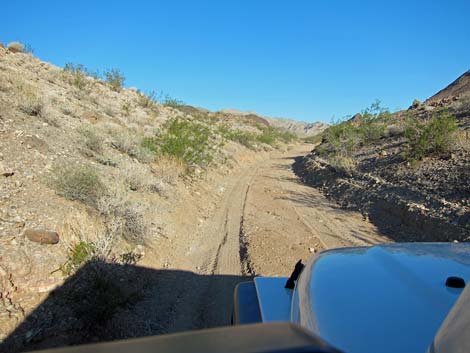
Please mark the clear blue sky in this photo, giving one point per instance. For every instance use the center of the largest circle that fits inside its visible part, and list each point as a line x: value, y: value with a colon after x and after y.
x: 310, y: 60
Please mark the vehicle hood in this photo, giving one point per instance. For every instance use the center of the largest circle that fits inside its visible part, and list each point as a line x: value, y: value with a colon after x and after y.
x: 387, y: 298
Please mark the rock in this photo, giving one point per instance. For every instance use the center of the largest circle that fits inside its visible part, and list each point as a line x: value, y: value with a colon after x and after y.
x: 42, y: 236
x: 2, y: 45
x: 312, y: 250
x: 6, y: 172
x: 416, y: 103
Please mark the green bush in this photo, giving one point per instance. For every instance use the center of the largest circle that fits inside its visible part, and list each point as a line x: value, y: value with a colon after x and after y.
x: 345, y: 136
x: 187, y: 140
x: 115, y: 79
x: 434, y: 136
x: 80, y: 183
x: 244, y: 138
x: 79, y: 254
x: 271, y: 136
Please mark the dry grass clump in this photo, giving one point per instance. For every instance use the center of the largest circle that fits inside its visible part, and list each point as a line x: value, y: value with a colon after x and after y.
x: 29, y: 103
x: 343, y: 164
x: 169, y: 168
x: 463, y: 140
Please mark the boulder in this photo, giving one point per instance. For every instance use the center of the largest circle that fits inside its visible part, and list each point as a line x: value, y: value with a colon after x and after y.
x: 42, y: 236
x: 416, y: 103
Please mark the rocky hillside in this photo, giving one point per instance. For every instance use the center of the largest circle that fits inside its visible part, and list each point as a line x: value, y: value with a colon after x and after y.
x: 460, y: 87
x: 90, y: 170
x: 409, y: 172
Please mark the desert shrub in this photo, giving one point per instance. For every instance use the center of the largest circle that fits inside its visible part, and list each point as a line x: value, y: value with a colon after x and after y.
x: 124, y: 220
x: 81, y: 183
x: 126, y: 108
x: 345, y: 136
x: 169, y: 101
x: 434, y: 136
x: 127, y: 143
x: 342, y: 136
x: 184, y: 139
x: 245, y: 138
x: 30, y: 104
x: 146, y: 100
x: 139, y: 178
x: 133, y: 227
x: 91, y: 139
x: 373, y: 123
x: 77, y: 75
x: 16, y: 47
x: 114, y: 78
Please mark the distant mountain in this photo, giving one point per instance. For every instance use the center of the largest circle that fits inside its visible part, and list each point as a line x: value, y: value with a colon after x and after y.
x: 300, y: 128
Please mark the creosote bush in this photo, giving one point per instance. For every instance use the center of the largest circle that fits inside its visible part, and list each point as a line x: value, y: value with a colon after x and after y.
x: 345, y: 136
x: 115, y: 79
x: 428, y: 137
x: 76, y: 182
x: 186, y: 140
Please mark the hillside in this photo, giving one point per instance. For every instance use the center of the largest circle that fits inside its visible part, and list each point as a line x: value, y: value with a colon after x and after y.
x: 460, y: 87
x: 408, y: 172
x: 92, y: 172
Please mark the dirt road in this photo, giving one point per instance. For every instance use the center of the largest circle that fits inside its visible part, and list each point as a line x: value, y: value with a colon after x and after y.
x: 257, y: 220
x: 264, y: 221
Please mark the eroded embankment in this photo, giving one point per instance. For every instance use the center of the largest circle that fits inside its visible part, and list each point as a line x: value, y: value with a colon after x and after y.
x: 401, y: 212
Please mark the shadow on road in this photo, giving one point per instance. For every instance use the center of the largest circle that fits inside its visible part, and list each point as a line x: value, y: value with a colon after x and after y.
x: 106, y: 301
